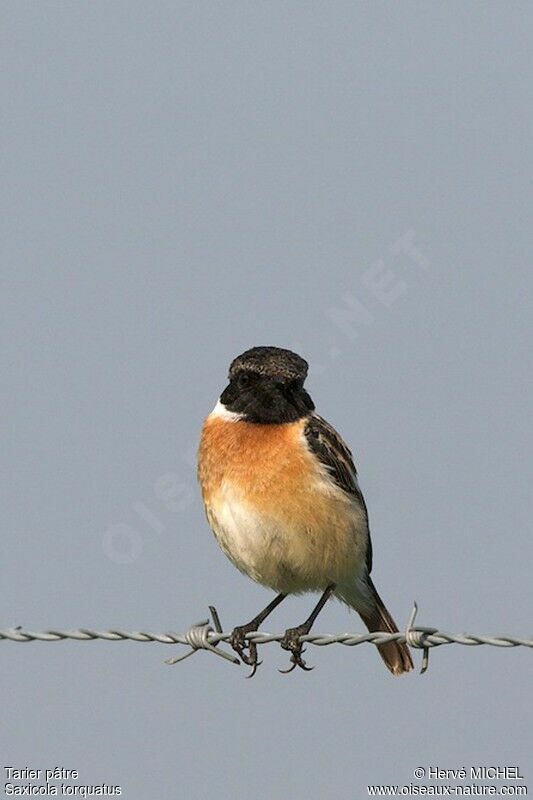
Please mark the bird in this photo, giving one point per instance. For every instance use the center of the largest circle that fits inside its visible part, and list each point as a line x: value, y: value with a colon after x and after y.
x: 281, y: 495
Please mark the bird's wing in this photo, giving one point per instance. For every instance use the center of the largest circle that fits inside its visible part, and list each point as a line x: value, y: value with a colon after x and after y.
x: 326, y: 444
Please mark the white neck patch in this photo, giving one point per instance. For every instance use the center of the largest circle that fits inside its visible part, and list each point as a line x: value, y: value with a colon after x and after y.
x: 221, y: 412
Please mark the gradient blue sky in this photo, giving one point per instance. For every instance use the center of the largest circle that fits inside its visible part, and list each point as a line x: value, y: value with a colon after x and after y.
x: 182, y: 181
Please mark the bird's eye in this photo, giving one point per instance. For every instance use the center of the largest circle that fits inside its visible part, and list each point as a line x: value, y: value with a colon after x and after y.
x: 243, y: 380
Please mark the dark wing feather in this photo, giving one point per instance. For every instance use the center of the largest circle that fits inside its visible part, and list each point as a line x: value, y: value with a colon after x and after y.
x: 331, y: 451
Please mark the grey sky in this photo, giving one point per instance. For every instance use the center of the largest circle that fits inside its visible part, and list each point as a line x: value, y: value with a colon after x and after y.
x: 182, y: 181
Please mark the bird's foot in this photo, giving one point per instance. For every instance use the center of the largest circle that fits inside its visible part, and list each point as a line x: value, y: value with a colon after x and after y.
x: 291, y: 642
x: 239, y: 643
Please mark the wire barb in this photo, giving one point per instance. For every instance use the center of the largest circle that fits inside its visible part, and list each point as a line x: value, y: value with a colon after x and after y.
x: 417, y: 637
x: 197, y: 637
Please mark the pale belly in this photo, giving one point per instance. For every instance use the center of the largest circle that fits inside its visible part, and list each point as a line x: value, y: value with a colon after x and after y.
x: 317, y: 538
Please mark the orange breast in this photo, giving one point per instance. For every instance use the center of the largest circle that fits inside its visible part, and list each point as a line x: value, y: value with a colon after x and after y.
x: 265, y: 462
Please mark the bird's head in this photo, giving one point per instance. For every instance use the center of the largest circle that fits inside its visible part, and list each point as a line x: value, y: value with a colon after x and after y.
x: 266, y: 385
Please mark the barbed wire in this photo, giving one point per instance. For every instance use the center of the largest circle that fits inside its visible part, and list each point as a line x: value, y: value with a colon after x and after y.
x: 203, y: 636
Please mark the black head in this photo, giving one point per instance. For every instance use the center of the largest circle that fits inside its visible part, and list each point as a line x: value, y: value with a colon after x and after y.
x: 266, y: 386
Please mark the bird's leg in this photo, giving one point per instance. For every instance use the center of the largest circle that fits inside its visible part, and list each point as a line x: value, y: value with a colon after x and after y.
x: 238, y: 640
x: 291, y: 640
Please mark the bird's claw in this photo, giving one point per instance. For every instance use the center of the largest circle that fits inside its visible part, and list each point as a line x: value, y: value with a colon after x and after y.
x: 297, y: 661
x: 239, y: 643
x: 291, y: 642
x: 255, y: 665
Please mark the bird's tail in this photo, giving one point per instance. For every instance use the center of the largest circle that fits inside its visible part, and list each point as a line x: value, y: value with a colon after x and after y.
x: 365, y: 599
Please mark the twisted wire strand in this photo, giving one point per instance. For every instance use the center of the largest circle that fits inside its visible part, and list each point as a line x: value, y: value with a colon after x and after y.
x: 201, y: 634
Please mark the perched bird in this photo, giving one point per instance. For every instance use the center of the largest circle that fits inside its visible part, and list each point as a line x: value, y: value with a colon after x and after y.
x: 281, y: 495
